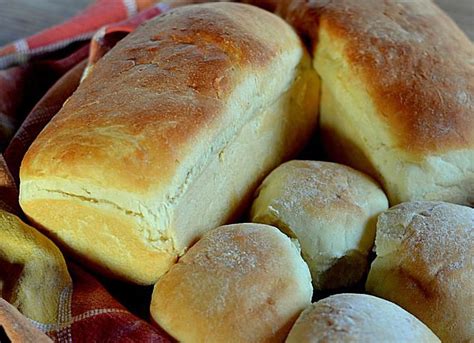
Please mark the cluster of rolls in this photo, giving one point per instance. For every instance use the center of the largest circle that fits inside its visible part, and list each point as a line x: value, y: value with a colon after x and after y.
x: 188, y: 119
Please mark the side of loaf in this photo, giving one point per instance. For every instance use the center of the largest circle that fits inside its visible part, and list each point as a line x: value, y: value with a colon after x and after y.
x: 397, y: 95
x: 173, y: 129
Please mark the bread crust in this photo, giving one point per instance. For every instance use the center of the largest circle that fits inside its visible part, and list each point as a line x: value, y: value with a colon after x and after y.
x: 118, y: 177
x: 331, y: 209
x: 397, y: 99
x: 177, y: 70
x: 349, y: 317
x: 239, y: 283
x: 414, y: 61
x: 424, y: 264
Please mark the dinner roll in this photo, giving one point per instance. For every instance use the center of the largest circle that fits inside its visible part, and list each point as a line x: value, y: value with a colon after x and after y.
x: 169, y: 136
x: 33, y: 274
x: 239, y: 283
x: 331, y: 209
x: 425, y: 264
x: 358, y: 318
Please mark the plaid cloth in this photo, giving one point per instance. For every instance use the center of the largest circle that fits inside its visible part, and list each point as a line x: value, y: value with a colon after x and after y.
x: 79, y: 28
x: 90, y: 314
x: 16, y: 327
x: 30, y: 95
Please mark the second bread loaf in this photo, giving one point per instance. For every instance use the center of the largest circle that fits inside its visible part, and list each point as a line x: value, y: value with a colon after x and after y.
x: 397, y: 98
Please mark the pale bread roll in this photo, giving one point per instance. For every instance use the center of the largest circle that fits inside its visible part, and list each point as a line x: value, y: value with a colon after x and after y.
x: 425, y: 264
x: 239, y: 283
x: 358, y: 318
x: 331, y: 209
x: 147, y: 154
x: 33, y: 273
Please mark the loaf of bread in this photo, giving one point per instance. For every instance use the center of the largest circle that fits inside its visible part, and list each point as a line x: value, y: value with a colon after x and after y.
x: 358, y: 318
x: 424, y: 264
x: 330, y: 209
x: 397, y: 92
x: 239, y: 283
x: 33, y: 273
x: 169, y: 136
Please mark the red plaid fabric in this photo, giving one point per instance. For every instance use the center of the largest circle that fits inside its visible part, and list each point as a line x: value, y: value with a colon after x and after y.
x: 79, y: 28
x: 47, y: 107
x: 30, y: 95
x: 18, y: 95
x: 90, y: 314
x: 16, y: 327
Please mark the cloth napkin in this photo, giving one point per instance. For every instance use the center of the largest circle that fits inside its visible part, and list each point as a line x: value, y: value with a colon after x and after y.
x: 39, y: 73
x: 17, y: 328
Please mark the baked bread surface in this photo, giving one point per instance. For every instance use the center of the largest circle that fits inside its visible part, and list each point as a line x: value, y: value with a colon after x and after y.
x: 147, y: 154
x: 397, y: 93
x: 239, y: 283
x: 331, y: 209
x: 358, y: 318
x: 424, y: 264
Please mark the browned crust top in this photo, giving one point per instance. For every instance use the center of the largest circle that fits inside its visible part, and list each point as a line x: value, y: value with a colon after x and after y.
x: 155, y: 94
x: 417, y: 64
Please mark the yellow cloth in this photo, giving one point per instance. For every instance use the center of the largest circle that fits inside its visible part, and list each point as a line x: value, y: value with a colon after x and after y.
x: 33, y: 272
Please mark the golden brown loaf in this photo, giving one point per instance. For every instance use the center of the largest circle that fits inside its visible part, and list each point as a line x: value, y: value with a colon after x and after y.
x: 425, y: 264
x: 33, y: 273
x: 239, y: 283
x: 330, y: 209
x: 169, y: 136
x: 397, y: 93
x: 358, y: 318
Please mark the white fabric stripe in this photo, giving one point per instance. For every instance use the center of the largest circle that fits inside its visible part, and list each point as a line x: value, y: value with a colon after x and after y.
x: 9, y: 60
x: 65, y: 316
x: 131, y: 7
x: 21, y: 57
x: 21, y: 46
x: 163, y: 7
x: 62, y: 43
x: 78, y: 318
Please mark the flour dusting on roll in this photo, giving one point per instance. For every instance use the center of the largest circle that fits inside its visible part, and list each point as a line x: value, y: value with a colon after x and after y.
x: 331, y: 209
x: 425, y: 264
x: 358, y: 318
x: 239, y: 283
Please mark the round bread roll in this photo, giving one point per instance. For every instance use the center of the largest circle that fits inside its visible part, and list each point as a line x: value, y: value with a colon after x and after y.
x: 331, y: 209
x: 239, y: 283
x: 358, y: 318
x: 424, y: 264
